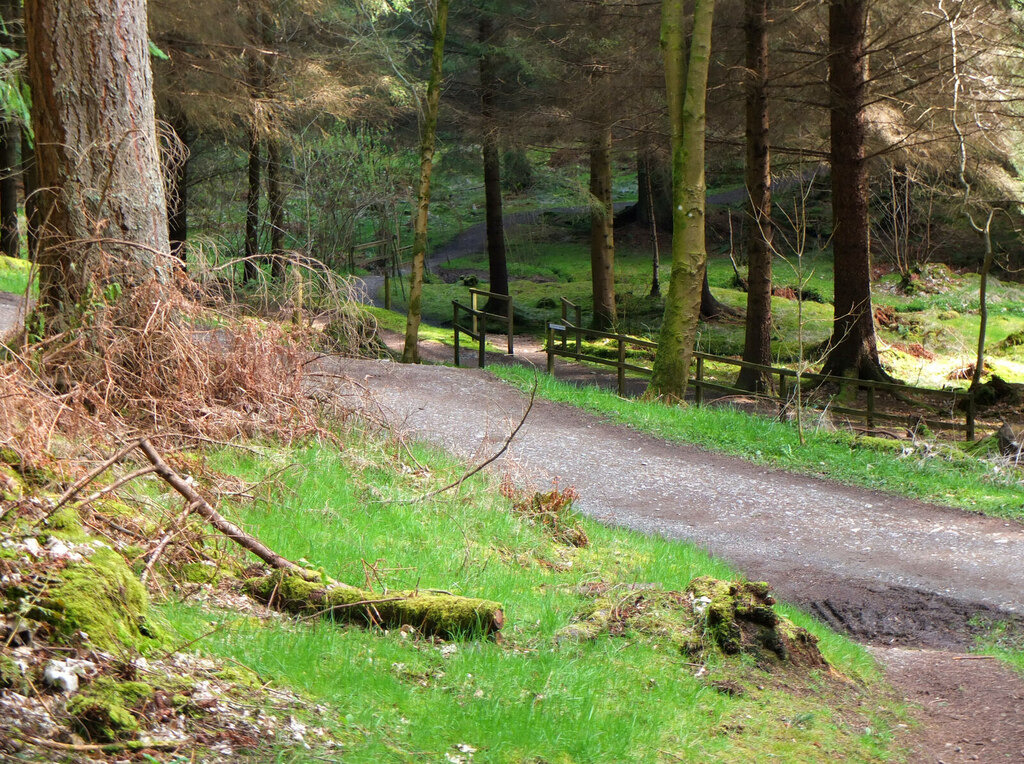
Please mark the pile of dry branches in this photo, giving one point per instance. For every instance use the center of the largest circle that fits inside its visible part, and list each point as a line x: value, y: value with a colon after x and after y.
x: 168, y: 358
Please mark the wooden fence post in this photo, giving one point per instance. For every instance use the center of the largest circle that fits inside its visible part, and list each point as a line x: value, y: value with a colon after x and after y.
x: 455, y: 328
x: 551, y: 350
x: 698, y: 385
x: 622, y: 368
x: 508, y: 311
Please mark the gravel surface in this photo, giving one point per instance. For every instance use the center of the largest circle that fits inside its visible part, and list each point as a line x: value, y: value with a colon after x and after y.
x: 798, y: 532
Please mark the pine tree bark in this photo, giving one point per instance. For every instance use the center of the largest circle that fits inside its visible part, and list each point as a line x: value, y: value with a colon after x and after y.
x: 852, y: 348
x: 275, y: 204
x: 686, y: 86
x: 602, y: 231
x: 497, y: 260
x: 250, y: 268
x: 101, y: 193
x: 431, y: 104
x: 10, y: 239
x: 758, y: 336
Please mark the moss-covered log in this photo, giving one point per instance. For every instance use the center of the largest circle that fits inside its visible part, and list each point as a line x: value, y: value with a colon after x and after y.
x: 442, y: 615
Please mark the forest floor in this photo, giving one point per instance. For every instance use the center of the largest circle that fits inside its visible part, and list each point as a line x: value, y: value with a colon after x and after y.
x: 918, y: 582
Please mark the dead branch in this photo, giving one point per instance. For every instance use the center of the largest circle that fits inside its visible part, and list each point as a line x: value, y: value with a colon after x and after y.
x: 496, y: 455
x: 92, y: 475
x: 115, y: 485
x: 172, y: 531
x: 128, y: 745
x: 212, y: 516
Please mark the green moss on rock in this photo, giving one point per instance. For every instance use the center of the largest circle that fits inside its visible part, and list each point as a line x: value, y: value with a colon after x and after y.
x: 103, y: 598
x: 101, y: 710
x: 67, y: 524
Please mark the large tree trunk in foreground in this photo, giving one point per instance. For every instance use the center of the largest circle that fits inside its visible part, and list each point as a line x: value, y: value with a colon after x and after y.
x: 687, y: 90
x: 602, y: 231
x: 852, y: 348
x: 411, y: 350
x: 101, y: 195
x: 497, y: 261
x: 757, y: 346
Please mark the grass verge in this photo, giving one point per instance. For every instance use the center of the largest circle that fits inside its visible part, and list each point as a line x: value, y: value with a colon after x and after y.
x: 536, y: 695
x: 945, y: 476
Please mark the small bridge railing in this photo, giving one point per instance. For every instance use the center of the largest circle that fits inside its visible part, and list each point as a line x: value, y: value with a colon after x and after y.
x: 476, y: 328
x: 939, y: 409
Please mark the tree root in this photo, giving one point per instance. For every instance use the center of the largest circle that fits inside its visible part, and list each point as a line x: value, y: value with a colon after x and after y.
x: 441, y: 615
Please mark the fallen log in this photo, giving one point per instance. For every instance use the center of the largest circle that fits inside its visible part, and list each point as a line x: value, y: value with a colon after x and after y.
x: 305, y: 592
x: 441, y: 615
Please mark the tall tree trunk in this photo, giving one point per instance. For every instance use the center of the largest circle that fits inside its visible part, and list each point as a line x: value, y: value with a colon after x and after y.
x: 757, y: 346
x: 10, y: 166
x: 177, y: 197
x: 275, y: 204
x: 852, y: 348
x: 647, y: 215
x: 252, y: 208
x: 411, y: 350
x: 497, y: 261
x: 101, y: 191
x: 654, y: 189
x: 10, y: 241
x: 687, y: 91
x: 602, y: 231
x: 30, y: 178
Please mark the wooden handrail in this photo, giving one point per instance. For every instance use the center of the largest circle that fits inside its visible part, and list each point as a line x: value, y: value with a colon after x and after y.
x: 478, y: 331
x: 700, y: 359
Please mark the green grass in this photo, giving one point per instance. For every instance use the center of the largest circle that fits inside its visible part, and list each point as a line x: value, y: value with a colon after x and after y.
x: 946, y: 476
x: 534, y: 696
x: 14, y: 275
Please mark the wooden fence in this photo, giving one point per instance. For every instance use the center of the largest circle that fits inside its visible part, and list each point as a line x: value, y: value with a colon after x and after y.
x: 949, y: 410
x: 477, y: 330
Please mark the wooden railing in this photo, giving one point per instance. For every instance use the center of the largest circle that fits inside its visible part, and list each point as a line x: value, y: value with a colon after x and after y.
x: 477, y: 330
x: 940, y: 407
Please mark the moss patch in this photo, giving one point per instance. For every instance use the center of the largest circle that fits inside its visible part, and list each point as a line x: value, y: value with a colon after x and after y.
x: 102, y: 597
x: 739, y: 618
x: 97, y: 595
x: 101, y: 711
